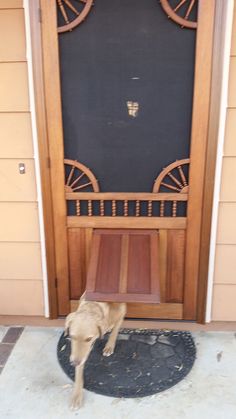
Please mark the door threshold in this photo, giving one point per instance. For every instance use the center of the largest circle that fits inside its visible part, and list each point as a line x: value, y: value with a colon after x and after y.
x: 37, y: 321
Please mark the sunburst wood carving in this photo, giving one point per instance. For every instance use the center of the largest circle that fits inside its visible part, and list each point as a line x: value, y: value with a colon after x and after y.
x: 79, y: 178
x: 181, y: 11
x: 172, y: 178
x: 73, y: 13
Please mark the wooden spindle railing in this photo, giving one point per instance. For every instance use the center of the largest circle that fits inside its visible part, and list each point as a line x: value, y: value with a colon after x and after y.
x: 174, y: 208
x: 77, y: 207
x: 162, y: 209
x: 146, y: 210
x: 90, y: 208
x: 113, y: 208
x: 149, y: 208
x: 126, y: 208
x: 102, y: 211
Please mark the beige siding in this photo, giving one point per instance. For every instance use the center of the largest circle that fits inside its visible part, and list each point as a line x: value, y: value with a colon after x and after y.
x: 225, y: 273
x: 232, y: 83
x: 224, y: 308
x: 21, y: 297
x: 14, y: 87
x: 21, y: 284
x: 11, y: 4
x: 19, y: 221
x: 226, y: 223
x: 228, y: 184
x: 14, y: 48
x: 15, y: 134
x: 16, y: 187
x: 224, y: 291
x: 27, y: 260
x: 230, y: 132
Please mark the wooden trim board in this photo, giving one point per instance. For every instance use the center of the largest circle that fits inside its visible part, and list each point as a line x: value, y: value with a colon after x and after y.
x: 211, y: 154
x: 127, y: 222
x: 199, y: 139
x: 56, y: 147
x: 43, y: 146
x: 132, y: 196
x: 148, y: 311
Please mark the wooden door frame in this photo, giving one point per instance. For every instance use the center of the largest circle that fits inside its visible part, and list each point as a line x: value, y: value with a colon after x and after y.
x: 203, y: 143
x: 218, y: 56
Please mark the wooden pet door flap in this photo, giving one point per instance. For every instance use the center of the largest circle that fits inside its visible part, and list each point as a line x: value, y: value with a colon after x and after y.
x: 124, y: 266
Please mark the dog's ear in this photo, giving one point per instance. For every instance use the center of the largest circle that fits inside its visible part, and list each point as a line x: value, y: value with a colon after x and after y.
x: 68, y: 321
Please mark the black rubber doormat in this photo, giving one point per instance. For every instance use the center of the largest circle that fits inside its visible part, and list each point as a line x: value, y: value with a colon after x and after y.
x: 145, y: 362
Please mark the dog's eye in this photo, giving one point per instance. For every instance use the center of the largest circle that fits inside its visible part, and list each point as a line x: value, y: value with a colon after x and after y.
x: 89, y: 339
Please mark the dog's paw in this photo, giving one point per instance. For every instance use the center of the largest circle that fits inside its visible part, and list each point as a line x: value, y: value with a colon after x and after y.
x: 108, y: 350
x: 76, y: 401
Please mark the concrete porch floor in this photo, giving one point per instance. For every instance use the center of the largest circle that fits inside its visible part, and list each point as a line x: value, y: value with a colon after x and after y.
x: 33, y: 386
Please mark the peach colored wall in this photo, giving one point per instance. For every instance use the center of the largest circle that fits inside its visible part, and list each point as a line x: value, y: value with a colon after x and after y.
x: 224, y: 290
x: 21, y: 285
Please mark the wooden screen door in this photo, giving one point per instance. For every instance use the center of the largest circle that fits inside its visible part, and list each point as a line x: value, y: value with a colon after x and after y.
x: 127, y: 92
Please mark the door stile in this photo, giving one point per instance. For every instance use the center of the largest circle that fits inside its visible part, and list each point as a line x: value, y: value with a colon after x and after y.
x: 199, y: 138
x: 56, y: 147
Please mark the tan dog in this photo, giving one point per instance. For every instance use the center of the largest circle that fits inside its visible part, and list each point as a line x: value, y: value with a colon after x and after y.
x: 91, y: 321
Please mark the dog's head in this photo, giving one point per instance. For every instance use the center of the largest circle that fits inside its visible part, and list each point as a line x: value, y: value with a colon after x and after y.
x: 83, y: 332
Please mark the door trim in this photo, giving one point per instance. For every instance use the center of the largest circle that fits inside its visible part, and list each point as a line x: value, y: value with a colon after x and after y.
x: 201, y: 143
x: 32, y: 10
x: 52, y: 93
x: 199, y: 139
x: 217, y: 117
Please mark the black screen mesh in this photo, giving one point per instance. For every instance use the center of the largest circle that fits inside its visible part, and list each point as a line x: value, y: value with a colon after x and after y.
x: 127, y: 52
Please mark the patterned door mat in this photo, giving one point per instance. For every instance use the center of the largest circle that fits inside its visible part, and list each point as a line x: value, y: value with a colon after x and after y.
x: 145, y: 362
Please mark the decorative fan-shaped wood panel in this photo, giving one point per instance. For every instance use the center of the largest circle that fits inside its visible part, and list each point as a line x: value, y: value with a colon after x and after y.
x: 73, y: 12
x: 173, y: 178
x: 181, y: 11
x: 79, y: 178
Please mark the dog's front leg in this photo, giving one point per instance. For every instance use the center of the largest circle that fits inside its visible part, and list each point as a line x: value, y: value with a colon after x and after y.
x: 110, y: 346
x: 77, y: 397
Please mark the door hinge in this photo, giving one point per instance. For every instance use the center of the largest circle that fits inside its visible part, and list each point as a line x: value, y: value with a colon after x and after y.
x: 40, y: 15
x: 56, y: 282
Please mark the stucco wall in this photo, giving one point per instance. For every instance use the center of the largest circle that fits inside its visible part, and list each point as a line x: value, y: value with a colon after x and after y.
x: 21, y: 285
x: 224, y: 292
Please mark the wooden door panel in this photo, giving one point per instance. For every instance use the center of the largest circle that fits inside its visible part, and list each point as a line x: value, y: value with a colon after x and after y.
x: 79, y: 241
x: 175, y: 266
x: 124, y: 266
x: 169, y: 258
x: 155, y: 311
x: 77, y: 262
x: 172, y: 260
